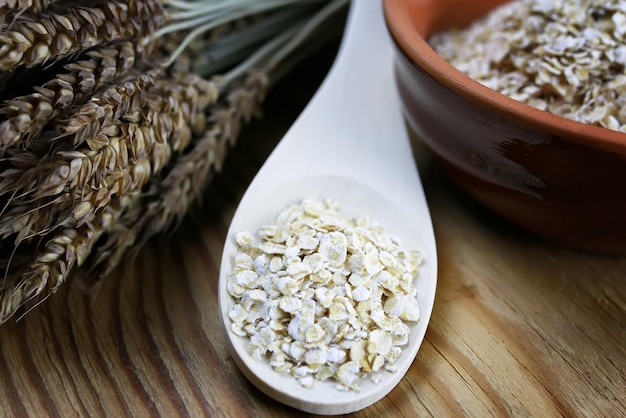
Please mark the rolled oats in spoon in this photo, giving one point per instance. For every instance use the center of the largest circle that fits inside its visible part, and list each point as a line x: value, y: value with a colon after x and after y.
x: 323, y: 297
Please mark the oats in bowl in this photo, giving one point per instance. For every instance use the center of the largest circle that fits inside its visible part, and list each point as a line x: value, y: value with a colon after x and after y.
x: 555, y: 176
x: 567, y: 57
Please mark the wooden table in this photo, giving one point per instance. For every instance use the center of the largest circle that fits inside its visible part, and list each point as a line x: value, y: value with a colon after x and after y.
x: 520, y: 327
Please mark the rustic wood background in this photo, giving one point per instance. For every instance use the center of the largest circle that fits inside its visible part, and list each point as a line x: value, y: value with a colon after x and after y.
x: 520, y: 327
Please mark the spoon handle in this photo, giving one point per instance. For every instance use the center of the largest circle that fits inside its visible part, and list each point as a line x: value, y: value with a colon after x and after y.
x: 353, y: 126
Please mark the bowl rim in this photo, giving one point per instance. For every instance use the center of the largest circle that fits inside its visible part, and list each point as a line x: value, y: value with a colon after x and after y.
x: 420, y: 53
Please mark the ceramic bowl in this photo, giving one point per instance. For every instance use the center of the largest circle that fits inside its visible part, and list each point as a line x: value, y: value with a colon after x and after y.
x: 563, y: 180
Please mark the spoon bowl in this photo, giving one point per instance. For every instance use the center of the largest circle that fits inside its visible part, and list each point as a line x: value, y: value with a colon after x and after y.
x: 350, y: 144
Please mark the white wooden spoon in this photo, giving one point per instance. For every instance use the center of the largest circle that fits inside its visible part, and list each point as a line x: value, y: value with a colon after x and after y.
x: 349, y: 144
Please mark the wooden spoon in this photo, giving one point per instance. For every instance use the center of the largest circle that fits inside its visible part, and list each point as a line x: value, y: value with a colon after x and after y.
x: 349, y: 144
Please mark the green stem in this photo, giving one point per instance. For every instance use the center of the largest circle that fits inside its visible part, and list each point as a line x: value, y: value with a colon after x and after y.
x: 270, y: 55
x: 232, y: 48
x: 306, y: 31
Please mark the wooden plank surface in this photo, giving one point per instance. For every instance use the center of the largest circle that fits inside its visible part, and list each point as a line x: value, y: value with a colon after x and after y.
x: 520, y: 327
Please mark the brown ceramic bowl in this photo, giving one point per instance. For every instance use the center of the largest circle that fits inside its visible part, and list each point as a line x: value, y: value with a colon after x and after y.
x: 561, y: 179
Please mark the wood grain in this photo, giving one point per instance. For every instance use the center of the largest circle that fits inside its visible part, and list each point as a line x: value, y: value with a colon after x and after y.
x: 520, y: 327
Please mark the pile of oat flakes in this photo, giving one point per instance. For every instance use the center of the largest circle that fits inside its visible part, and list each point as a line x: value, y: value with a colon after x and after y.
x: 567, y: 57
x: 323, y: 297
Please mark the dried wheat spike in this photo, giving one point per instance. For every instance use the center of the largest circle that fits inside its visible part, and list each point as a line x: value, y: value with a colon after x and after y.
x: 69, y: 208
x: 126, y: 161
x: 28, y: 116
x: 11, y: 9
x: 52, y: 266
x: 93, y: 122
x: 27, y: 221
x: 170, y: 112
x: 34, y: 39
x: 85, y: 183
x: 168, y: 198
x: 120, y: 101
x: 181, y: 101
x: 70, y: 186
x: 122, y: 236
x: 186, y: 180
x: 10, y: 300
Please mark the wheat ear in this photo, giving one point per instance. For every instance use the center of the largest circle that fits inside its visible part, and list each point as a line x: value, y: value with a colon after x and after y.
x: 28, y: 116
x: 34, y: 39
